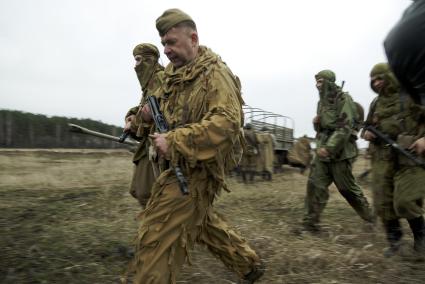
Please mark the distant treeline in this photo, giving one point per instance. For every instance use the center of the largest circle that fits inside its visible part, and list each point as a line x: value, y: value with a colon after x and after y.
x: 26, y: 130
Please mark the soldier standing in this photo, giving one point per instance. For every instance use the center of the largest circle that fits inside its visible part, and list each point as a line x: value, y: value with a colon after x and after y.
x: 201, y: 101
x: 336, y: 150
x: 398, y: 184
x: 249, y: 158
x: 149, y: 73
x: 266, y: 145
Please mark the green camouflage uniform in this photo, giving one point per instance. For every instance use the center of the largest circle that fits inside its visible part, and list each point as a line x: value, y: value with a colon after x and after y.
x: 410, y: 178
x: 336, y: 111
x: 202, y: 104
x: 149, y: 73
x: 382, y: 115
x: 398, y: 184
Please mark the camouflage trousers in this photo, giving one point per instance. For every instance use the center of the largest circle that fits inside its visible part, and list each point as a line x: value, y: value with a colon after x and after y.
x: 172, y: 223
x: 383, y: 171
x: 322, y: 174
x: 142, y: 180
x: 409, y: 192
x: 248, y: 163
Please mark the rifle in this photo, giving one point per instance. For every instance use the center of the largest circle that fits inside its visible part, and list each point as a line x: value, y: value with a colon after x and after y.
x: 162, y: 126
x: 79, y: 129
x: 395, y: 146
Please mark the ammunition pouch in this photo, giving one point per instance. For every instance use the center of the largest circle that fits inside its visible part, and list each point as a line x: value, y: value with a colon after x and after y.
x: 381, y: 152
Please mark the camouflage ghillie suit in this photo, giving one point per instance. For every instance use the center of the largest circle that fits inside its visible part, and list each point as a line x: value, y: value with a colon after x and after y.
x: 398, y: 184
x: 266, y: 155
x: 149, y: 73
x: 300, y: 154
x: 202, y: 104
x: 336, y: 111
x: 249, y: 158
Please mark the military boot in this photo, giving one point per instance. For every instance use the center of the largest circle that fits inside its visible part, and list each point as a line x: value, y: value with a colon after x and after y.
x: 251, y: 176
x: 254, y: 275
x: 244, y: 176
x: 394, y: 235
x: 417, y: 225
x: 269, y: 176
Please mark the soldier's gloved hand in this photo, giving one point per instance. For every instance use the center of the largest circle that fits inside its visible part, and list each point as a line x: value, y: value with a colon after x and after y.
x: 316, y: 119
x: 160, y: 143
x: 418, y: 146
x: 322, y: 153
x: 368, y: 136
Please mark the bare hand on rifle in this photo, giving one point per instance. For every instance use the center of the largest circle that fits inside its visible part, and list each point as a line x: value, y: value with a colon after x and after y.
x: 418, y: 146
x: 146, y: 113
x: 368, y: 136
x: 160, y: 142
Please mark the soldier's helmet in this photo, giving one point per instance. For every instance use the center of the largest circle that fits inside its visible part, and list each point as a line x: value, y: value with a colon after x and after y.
x: 265, y: 128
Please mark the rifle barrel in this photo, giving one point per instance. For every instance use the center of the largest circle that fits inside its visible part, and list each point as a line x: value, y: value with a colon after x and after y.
x: 395, y: 146
x: 79, y: 129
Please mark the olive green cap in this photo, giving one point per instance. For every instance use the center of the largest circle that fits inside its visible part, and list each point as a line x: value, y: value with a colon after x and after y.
x: 170, y: 18
x: 327, y: 75
x: 146, y: 50
x: 380, y: 69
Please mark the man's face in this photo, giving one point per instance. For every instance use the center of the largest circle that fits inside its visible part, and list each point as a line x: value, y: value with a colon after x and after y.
x: 319, y: 84
x: 179, y: 45
x: 378, y: 83
x: 138, y: 59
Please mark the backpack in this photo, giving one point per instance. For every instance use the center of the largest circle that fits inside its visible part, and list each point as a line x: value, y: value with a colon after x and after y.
x: 358, y: 112
x: 358, y: 116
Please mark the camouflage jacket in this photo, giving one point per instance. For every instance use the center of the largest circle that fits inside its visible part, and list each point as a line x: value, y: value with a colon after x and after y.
x: 202, y: 104
x: 140, y: 128
x: 383, y: 114
x: 336, y: 112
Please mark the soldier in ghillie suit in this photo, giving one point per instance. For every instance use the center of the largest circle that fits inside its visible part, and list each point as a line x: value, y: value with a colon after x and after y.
x: 266, y: 154
x: 149, y: 73
x: 300, y: 154
x: 336, y: 150
x: 249, y: 158
x: 201, y: 101
x: 398, y: 184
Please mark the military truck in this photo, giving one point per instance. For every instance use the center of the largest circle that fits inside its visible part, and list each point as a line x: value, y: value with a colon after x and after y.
x: 282, y: 127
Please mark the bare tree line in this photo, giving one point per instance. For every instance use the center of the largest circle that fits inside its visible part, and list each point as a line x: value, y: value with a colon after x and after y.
x: 26, y: 130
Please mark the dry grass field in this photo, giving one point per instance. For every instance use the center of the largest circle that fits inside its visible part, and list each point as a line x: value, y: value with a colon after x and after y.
x: 66, y: 217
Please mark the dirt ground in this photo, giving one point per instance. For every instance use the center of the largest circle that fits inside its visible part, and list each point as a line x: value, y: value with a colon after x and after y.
x: 67, y: 217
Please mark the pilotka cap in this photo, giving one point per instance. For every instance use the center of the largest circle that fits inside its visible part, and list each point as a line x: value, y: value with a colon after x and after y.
x: 170, y: 18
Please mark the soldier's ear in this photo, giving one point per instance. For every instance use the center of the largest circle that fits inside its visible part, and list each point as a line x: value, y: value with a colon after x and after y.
x: 194, y: 38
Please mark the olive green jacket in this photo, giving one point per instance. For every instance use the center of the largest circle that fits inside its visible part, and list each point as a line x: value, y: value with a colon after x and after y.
x: 336, y: 112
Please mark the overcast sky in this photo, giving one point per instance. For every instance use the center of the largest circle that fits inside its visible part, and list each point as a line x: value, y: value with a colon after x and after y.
x: 74, y: 57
